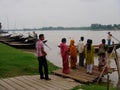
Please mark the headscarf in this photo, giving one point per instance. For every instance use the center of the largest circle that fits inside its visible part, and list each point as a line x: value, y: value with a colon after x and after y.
x: 73, y: 50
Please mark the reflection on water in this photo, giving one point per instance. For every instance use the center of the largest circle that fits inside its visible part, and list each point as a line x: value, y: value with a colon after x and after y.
x: 54, y: 39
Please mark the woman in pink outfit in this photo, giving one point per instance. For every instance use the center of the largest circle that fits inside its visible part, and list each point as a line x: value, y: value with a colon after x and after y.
x: 64, y: 55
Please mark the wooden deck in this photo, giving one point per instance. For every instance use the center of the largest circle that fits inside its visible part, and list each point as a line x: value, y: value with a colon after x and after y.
x: 80, y: 74
x: 34, y: 83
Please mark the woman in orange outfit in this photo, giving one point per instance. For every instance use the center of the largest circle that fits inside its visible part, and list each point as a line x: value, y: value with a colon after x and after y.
x: 73, y: 54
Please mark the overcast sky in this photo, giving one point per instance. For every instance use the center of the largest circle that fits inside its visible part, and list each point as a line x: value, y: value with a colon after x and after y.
x: 67, y: 13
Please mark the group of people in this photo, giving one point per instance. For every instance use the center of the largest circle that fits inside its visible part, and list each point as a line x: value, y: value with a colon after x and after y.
x: 85, y: 52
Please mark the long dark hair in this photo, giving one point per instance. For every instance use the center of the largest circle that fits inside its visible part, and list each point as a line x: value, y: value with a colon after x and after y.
x: 103, y: 42
x: 89, y: 42
x: 63, y: 40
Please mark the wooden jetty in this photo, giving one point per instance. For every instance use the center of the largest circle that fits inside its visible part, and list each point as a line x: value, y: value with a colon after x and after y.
x: 79, y: 74
x: 35, y: 83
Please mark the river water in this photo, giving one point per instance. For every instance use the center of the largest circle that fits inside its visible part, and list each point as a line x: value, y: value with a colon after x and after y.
x: 54, y: 38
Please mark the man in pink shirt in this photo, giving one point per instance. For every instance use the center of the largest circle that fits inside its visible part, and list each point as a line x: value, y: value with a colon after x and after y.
x: 42, y: 58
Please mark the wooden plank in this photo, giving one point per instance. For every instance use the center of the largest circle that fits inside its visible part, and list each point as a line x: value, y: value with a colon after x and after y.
x: 76, y: 73
x: 59, y: 72
x: 32, y: 85
x: 83, y: 75
x: 21, y: 83
x: 2, y: 88
x: 40, y: 83
x: 60, y: 83
x: 6, y: 85
x: 65, y: 83
x: 79, y: 74
x: 50, y: 86
x: 13, y: 84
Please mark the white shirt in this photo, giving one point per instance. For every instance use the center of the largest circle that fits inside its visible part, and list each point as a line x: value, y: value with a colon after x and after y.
x: 80, y: 46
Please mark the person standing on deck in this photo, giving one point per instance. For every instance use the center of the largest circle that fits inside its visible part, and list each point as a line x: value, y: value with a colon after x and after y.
x: 102, y: 55
x: 73, y: 54
x: 109, y: 38
x: 42, y: 58
x: 35, y: 35
x: 80, y: 48
x: 64, y: 55
x: 89, y: 55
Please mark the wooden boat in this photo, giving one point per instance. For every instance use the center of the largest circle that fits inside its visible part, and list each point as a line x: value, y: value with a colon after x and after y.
x: 1, y: 31
x: 5, y: 36
x: 15, y: 38
x: 16, y: 41
x: 20, y: 42
x: 110, y: 47
x: 22, y: 45
x: 30, y: 40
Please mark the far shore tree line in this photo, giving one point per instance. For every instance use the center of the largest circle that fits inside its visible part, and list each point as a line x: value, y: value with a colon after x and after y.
x: 91, y: 27
x: 105, y: 27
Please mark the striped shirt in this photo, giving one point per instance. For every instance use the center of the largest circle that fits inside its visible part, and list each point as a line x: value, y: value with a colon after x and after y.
x: 39, y: 46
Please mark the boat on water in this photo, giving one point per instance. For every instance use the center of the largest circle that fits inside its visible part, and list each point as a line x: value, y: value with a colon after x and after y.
x: 1, y: 31
x: 19, y: 41
x: 110, y: 47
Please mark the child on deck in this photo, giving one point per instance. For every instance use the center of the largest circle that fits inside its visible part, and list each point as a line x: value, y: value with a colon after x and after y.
x: 89, y: 55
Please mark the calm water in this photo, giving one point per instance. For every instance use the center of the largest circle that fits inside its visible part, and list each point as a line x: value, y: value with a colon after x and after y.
x: 54, y: 39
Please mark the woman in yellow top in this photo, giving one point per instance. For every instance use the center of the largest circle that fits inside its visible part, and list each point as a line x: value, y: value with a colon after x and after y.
x: 89, y: 55
x: 73, y: 54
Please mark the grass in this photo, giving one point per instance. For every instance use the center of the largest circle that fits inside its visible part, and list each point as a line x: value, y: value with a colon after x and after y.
x: 14, y: 62
x: 92, y: 87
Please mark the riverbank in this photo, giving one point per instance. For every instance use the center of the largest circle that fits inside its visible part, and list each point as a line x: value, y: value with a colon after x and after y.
x: 15, y: 62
